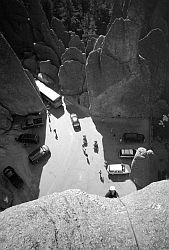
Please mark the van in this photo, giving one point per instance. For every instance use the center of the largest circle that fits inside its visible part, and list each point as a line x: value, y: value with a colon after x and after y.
x: 39, y: 154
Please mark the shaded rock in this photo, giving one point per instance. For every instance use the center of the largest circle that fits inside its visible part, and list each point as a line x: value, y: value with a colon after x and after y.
x: 84, y: 99
x: 99, y: 42
x: 6, y: 198
x: 95, y: 222
x: 136, y: 12
x: 155, y: 50
x: 77, y: 43
x: 73, y: 54
x: 5, y: 120
x: 30, y: 64
x: 37, y: 17
x: 46, y: 53
x: 159, y: 108
x: 159, y: 18
x: 116, y: 12
x: 118, y: 80
x: 123, y: 48
x: 15, y: 25
x: 49, y: 69
x: 32, y: 79
x: 17, y: 93
x: 90, y: 45
x: 60, y: 31
x: 52, y: 40
x: 70, y: 80
x: 144, y: 168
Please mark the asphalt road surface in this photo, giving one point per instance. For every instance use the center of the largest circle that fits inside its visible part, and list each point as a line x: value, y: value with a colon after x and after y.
x: 73, y: 167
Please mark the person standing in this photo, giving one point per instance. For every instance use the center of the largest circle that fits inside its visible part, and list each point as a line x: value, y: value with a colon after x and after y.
x: 112, y: 193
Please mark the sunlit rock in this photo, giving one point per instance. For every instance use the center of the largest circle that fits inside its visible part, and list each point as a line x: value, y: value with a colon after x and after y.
x: 17, y: 93
x: 74, y: 220
x: 144, y: 168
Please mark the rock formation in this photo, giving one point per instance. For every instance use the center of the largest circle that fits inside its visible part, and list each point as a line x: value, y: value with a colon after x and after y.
x: 144, y: 169
x: 118, y: 80
x: 75, y: 220
x: 72, y: 72
x: 17, y: 92
x: 60, y: 31
x: 154, y: 48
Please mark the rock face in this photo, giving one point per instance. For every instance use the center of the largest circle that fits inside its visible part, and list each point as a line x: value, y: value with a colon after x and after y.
x: 75, y: 220
x: 72, y: 72
x: 144, y: 168
x: 15, y: 25
x: 5, y: 120
x: 154, y: 48
x: 17, y: 93
x: 118, y: 79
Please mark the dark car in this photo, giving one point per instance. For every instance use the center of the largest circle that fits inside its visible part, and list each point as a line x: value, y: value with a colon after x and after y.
x: 75, y: 121
x: 32, y: 122
x: 39, y: 154
x: 13, y: 177
x: 28, y: 138
x: 133, y: 137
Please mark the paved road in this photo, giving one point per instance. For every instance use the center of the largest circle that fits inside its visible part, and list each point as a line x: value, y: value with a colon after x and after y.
x: 69, y: 167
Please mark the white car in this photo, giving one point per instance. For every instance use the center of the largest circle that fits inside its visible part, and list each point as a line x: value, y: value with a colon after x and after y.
x: 119, y: 168
x: 75, y: 120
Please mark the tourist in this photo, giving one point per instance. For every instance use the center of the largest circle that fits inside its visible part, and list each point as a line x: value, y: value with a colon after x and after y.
x: 112, y: 193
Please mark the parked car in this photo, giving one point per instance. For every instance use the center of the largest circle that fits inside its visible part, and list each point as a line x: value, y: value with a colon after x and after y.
x: 118, y: 169
x: 28, y: 138
x: 75, y: 120
x: 13, y: 177
x: 32, y: 122
x: 39, y: 154
x: 133, y: 137
x: 127, y: 153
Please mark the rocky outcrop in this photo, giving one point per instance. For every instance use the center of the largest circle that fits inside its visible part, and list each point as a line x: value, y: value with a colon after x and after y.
x: 75, y: 220
x: 118, y: 79
x: 15, y: 26
x: 144, y: 168
x: 5, y: 120
x: 72, y: 72
x: 154, y: 48
x: 17, y: 92
x: 60, y: 31
x: 77, y: 43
